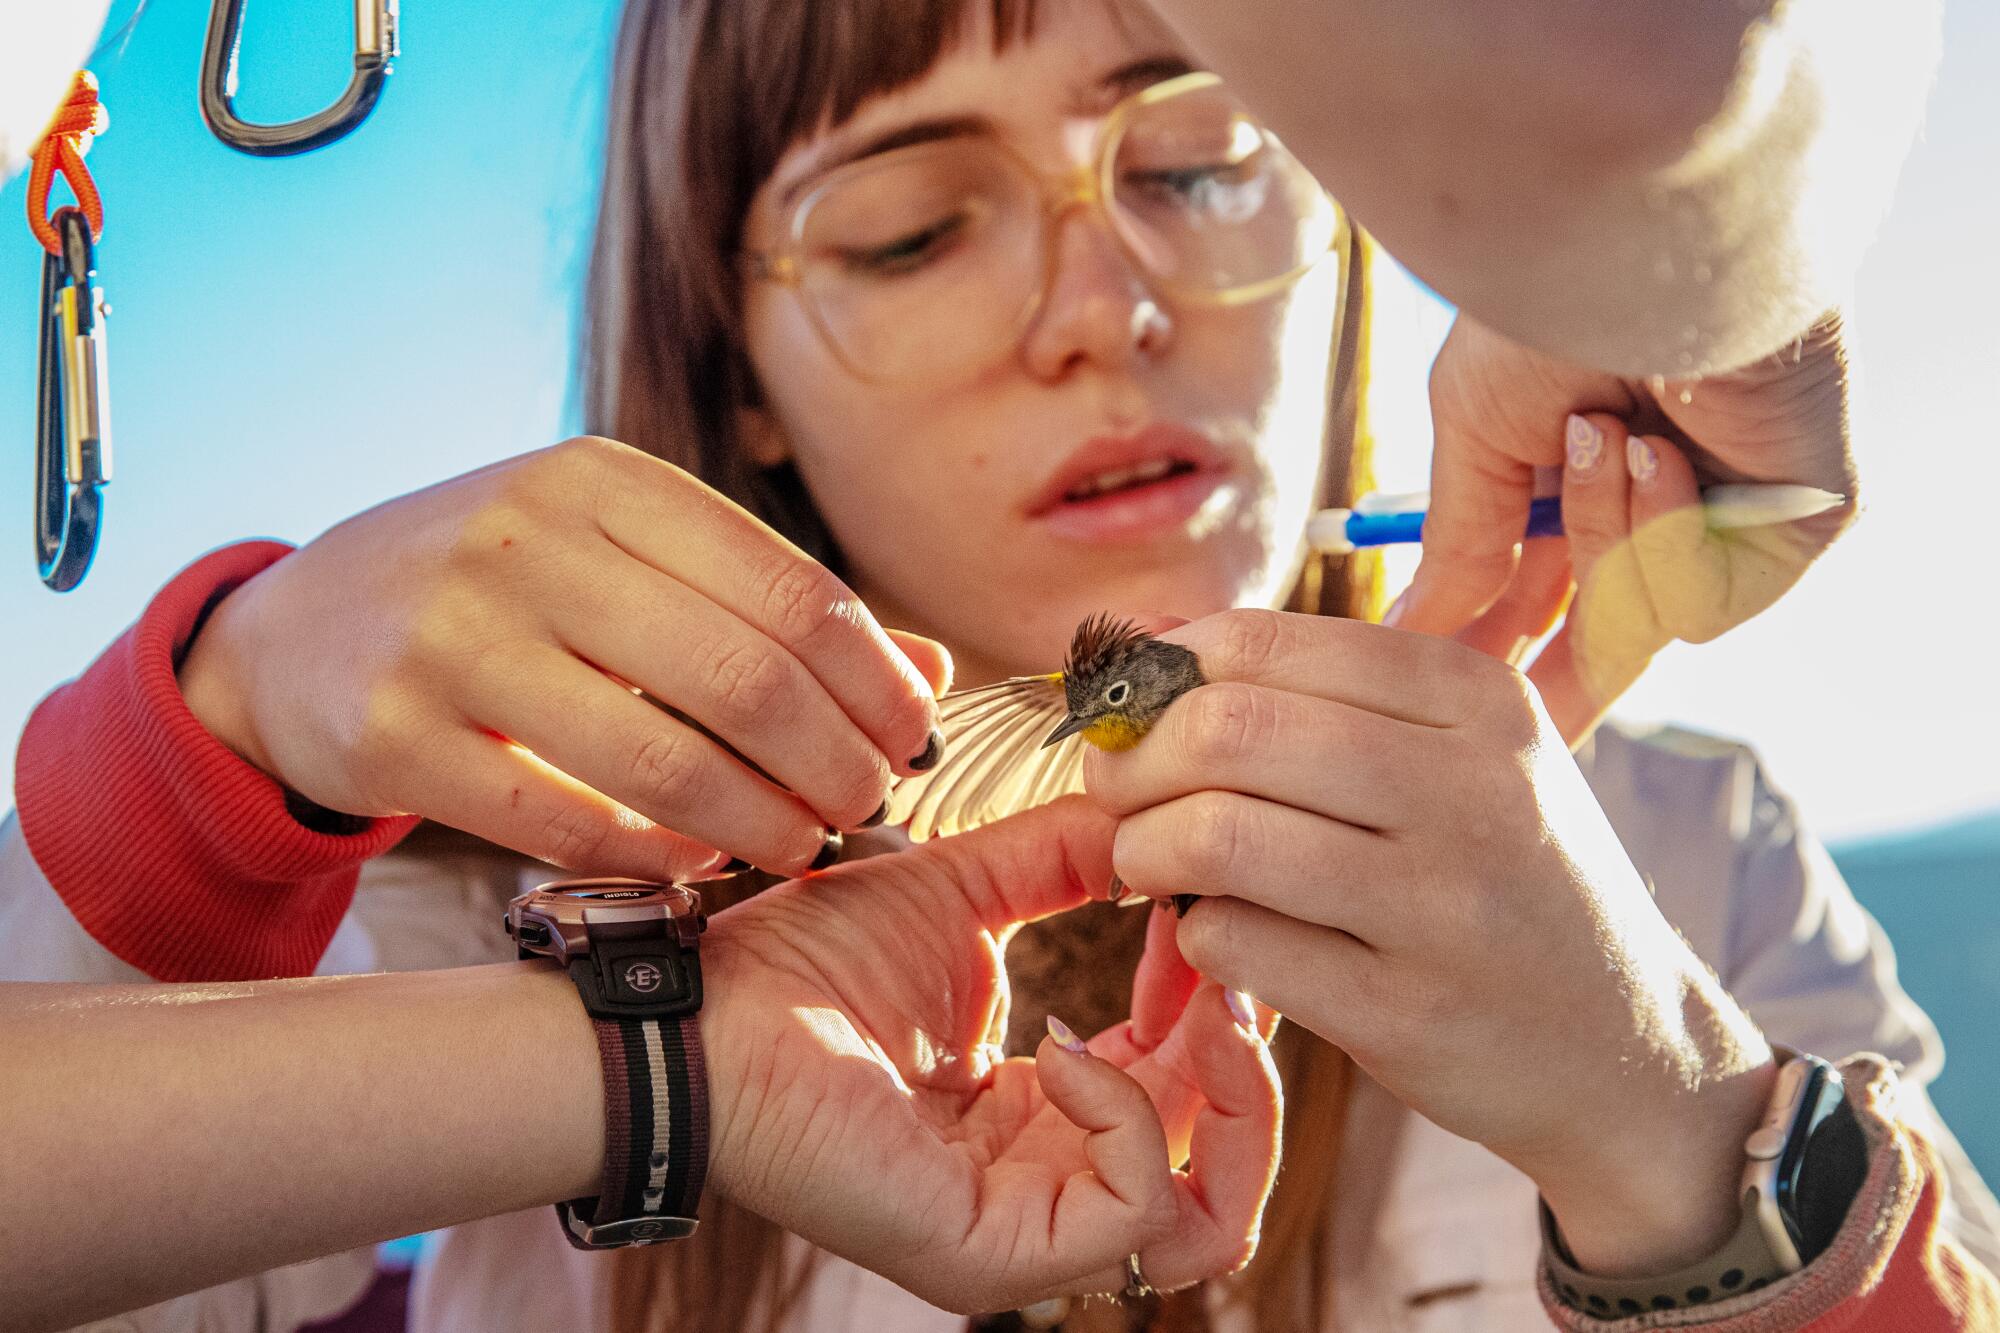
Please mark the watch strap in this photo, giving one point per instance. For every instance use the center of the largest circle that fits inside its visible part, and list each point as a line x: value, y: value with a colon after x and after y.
x: 1744, y: 1263
x: 655, y: 1135
x: 1834, y: 1164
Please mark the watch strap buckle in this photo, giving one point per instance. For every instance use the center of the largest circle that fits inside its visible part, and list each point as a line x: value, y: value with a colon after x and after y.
x: 619, y: 1233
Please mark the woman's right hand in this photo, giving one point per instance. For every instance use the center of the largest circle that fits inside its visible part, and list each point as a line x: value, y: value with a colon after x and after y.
x: 467, y: 653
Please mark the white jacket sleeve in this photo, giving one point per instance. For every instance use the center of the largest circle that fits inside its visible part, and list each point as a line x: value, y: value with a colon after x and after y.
x: 1759, y: 898
x: 1818, y: 974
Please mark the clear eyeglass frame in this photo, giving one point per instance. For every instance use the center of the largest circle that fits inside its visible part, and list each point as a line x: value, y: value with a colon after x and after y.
x: 1091, y: 186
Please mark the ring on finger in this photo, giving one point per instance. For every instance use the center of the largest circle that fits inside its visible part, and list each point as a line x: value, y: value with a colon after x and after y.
x: 1136, y: 1286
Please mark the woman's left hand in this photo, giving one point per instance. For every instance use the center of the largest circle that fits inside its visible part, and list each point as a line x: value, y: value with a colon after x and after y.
x: 1395, y: 849
x: 859, y: 1097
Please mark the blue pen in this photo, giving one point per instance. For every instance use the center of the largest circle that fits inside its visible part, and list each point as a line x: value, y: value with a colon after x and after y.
x: 1390, y: 520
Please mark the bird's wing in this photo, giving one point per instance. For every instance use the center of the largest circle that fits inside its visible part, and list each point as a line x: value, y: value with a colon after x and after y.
x: 994, y: 763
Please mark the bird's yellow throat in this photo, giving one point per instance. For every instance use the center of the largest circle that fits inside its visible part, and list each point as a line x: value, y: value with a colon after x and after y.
x: 1114, y: 731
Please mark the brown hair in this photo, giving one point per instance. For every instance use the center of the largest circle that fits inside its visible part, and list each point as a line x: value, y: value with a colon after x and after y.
x: 707, y: 96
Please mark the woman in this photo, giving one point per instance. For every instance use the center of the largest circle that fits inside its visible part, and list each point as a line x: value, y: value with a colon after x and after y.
x: 1138, y: 423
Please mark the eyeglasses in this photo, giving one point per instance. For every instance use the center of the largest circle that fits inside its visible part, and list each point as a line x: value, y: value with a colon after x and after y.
x: 931, y: 260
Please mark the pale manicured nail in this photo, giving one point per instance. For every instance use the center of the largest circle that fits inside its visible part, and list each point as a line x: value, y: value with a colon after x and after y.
x: 1641, y: 461
x: 1396, y: 608
x: 1066, y: 1039
x: 1585, y: 442
x: 1239, y: 1009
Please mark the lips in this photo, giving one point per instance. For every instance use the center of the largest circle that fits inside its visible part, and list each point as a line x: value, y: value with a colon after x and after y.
x: 1110, y: 464
x: 1120, y: 487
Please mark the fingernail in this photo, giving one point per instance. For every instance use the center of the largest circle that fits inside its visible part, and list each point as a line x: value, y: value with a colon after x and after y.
x: 1066, y: 1039
x: 735, y: 865
x: 829, y: 852
x: 1117, y: 891
x: 1395, y: 612
x: 1586, y: 444
x: 1641, y: 460
x: 1239, y: 1009
x: 933, y: 751
x: 881, y: 813
x: 1183, y: 902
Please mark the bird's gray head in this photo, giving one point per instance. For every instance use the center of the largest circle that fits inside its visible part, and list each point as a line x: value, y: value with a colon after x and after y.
x: 1118, y: 679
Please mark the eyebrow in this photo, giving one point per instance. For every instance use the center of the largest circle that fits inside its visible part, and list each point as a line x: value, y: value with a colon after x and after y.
x: 1109, y: 90
x: 903, y: 136
x: 1129, y: 78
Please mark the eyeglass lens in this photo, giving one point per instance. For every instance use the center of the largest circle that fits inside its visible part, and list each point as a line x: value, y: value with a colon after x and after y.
x: 931, y: 257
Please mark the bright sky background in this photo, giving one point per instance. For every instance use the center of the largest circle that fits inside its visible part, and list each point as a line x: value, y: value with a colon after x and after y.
x: 293, y: 341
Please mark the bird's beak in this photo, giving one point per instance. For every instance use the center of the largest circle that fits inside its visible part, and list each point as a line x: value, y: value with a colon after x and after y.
x: 1065, y: 729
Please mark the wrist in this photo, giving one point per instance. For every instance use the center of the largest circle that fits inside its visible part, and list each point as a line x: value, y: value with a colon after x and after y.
x: 1665, y: 1192
x: 211, y: 677
x: 729, y: 1050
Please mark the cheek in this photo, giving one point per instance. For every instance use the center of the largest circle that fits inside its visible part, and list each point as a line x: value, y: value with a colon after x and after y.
x: 1267, y: 368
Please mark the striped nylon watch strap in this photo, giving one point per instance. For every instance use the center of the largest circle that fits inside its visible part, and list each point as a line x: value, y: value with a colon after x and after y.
x: 655, y: 1135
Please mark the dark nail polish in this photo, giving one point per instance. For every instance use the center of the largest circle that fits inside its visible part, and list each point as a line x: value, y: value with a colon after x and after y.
x: 1117, y: 891
x: 1184, y: 901
x: 829, y: 853
x: 736, y: 866
x: 933, y: 751
x: 881, y: 813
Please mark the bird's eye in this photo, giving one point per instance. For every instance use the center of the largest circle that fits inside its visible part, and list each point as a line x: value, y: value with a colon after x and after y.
x: 1119, y: 692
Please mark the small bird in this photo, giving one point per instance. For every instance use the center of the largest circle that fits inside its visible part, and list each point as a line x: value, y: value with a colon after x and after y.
x: 1019, y: 742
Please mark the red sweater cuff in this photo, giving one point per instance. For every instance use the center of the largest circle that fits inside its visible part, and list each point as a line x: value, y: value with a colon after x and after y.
x: 172, y: 852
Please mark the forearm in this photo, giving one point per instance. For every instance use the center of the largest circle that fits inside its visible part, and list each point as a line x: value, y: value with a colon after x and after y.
x: 165, y: 1139
x: 1643, y: 188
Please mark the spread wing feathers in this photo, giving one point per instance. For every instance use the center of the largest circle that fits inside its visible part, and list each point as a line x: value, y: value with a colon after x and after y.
x: 993, y: 762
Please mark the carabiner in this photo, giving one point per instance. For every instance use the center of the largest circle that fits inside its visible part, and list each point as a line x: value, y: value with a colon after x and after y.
x: 374, y: 53
x: 72, y: 408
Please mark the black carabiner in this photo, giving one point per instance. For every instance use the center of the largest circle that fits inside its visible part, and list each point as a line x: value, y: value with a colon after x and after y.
x: 374, y: 53
x: 72, y: 408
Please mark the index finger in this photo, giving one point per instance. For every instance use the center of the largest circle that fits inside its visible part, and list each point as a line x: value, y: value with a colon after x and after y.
x: 681, y: 527
x: 1410, y: 677
x: 1472, y: 533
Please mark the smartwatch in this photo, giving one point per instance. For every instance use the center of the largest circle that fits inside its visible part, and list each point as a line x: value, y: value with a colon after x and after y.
x: 633, y: 949
x: 1804, y: 1163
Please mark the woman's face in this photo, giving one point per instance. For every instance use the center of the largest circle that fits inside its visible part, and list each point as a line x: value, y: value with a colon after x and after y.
x: 971, y: 506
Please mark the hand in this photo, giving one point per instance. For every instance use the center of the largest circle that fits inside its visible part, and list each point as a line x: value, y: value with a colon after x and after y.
x: 1395, y: 850
x: 1645, y: 565
x: 860, y: 1099
x: 386, y: 667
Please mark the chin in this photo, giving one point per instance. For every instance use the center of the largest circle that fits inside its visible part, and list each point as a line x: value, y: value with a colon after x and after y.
x: 1189, y: 591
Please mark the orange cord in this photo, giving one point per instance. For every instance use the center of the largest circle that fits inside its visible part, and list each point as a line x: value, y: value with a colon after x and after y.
x: 61, y: 149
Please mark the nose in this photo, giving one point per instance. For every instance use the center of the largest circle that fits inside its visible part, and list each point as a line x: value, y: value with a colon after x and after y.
x: 1098, y: 309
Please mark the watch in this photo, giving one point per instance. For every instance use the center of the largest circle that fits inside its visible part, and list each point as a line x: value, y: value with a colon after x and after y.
x: 633, y: 949
x: 1804, y: 1164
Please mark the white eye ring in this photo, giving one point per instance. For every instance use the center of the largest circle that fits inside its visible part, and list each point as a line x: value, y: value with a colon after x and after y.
x: 1119, y: 692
